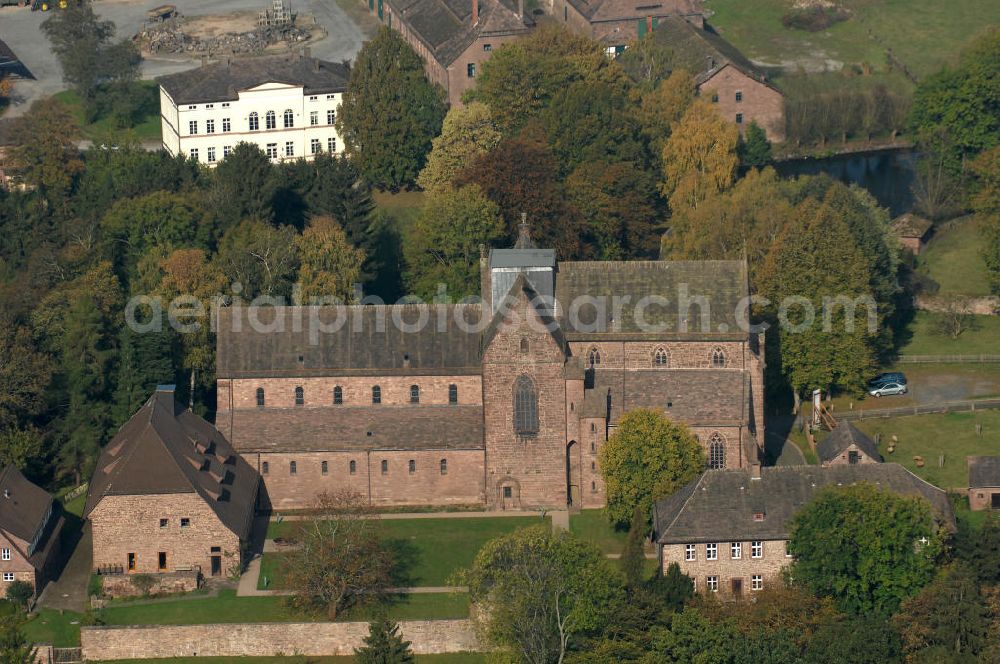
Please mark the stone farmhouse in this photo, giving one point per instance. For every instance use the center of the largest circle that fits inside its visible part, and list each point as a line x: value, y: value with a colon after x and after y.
x: 984, y: 482
x: 739, y: 88
x: 30, y: 526
x: 286, y: 105
x: 454, y: 37
x: 845, y: 444
x: 504, y: 403
x: 616, y: 23
x: 170, y: 495
x: 728, y: 530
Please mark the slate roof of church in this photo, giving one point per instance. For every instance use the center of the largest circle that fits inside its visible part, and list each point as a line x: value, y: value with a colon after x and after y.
x: 23, y: 504
x: 222, y: 81
x: 611, y: 10
x: 164, y: 449
x: 984, y: 471
x: 720, y: 505
x: 723, y: 282
x: 367, y: 341
x: 841, y: 438
x: 357, y: 428
x: 445, y: 26
x: 702, y: 53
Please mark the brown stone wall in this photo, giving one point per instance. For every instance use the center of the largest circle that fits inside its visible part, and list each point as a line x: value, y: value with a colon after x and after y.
x: 458, y: 72
x: 462, y: 484
x: 760, y: 102
x: 131, y: 524
x: 267, y: 639
x: 680, y: 354
x: 735, y: 458
x: 357, y: 390
x: 120, y: 585
x: 534, y: 467
x: 844, y: 458
x: 981, y: 498
x: 726, y: 568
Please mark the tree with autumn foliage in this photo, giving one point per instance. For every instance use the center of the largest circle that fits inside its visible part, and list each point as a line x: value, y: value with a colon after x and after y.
x: 329, y: 265
x: 661, y: 107
x: 986, y: 202
x: 46, y: 153
x: 468, y: 132
x: 699, y: 158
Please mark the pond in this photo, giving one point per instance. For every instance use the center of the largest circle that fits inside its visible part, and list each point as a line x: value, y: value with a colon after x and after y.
x: 887, y: 174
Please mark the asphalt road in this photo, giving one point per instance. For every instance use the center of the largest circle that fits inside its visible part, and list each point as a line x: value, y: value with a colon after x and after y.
x: 19, y: 27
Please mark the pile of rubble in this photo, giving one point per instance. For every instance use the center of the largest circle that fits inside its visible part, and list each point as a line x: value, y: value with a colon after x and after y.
x: 170, y: 37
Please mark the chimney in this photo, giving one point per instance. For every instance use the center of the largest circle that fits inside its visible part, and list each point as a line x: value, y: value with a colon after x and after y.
x: 755, y: 470
x: 520, y: 9
x: 485, y: 281
x: 475, y: 12
x: 524, y: 234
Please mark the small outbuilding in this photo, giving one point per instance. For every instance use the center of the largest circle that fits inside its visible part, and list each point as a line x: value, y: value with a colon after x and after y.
x: 984, y: 482
x: 912, y: 231
x: 30, y: 526
x: 846, y: 445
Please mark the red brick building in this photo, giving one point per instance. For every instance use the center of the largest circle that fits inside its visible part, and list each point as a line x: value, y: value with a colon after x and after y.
x: 729, y: 530
x: 616, y: 23
x: 170, y: 494
x: 739, y: 88
x: 504, y: 403
x: 454, y: 37
x: 30, y: 525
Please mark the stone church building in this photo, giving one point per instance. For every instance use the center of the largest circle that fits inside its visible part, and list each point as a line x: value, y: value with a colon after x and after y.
x: 504, y: 403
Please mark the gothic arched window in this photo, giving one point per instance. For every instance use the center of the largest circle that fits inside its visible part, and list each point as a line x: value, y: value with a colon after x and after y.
x: 444, y: 466
x: 376, y: 394
x: 453, y: 393
x: 300, y: 397
x: 718, y: 358
x: 593, y: 357
x: 525, y: 407
x: 414, y: 394
x: 289, y: 119
x: 716, y: 451
x: 660, y: 357
x: 338, y: 395
x: 260, y: 397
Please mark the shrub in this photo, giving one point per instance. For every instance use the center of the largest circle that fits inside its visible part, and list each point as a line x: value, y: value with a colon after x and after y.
x: 20, y: 592
x: 814, y: 18
x: 143, y: 583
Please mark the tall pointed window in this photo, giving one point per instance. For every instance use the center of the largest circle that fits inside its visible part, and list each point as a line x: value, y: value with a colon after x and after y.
x: 414, y: 394
x: 338, y: 395
x: 300, y: 397
x: 660, y: 357
x: 593, y: 357
x: 453, y: 393
x: 525, y: 407
x: 718, y: 358
x: 260, y: 397
x: 716, y: 451
x: 376, y: 394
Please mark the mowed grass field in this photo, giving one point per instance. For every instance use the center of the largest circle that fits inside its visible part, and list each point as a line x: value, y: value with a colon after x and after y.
x: 953, y: 258
x: 983, y: 338
x: 952, y: 435
x: 147, y: 129
x: 924, y: 34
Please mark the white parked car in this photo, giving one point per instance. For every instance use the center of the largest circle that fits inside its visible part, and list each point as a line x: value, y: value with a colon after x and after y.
x: 887, y: 389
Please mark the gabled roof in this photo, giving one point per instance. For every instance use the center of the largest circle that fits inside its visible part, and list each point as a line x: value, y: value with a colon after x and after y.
x: 841, y: 438
x: 445, y: 26
x: 23, y: 504
x: 701, y: 52
x: 984, y: 471
x: 223, y: 81
x: 166, y: 450
x: 523, y: 287
x: 634, y: 284
x: 911, y: 225
x: 720, y: 505
x: 618, y: 10
x: 368, y: 340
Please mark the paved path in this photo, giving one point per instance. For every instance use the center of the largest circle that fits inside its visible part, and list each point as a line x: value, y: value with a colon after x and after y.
x: 560, y: 520
x: 69, y: 591
x: 278, y: 517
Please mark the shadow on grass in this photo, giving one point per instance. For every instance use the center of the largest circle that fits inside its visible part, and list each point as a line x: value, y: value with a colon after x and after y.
x: 405, y: 557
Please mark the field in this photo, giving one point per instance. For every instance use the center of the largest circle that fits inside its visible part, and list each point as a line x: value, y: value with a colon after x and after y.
x: 953, y: 258
x: 982, y: 338
x: 429, y: 551
x: 593, y: 526
x: 923, y: 34
x: 952, y: 435
x: 148, y: 129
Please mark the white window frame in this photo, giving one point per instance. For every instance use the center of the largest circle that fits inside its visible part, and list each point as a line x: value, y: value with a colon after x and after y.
x: 209, y: 126
x: 226, y: 149
x: 313, y: 118
x: 690, y: 552
x: 315, y: 146
x: 272, y: 150
x: 5, y: 554
x: 8, y: 576
x: 757, y: 549
x: 289, y: 148
x: 331, y: 145
x: 194, y: 154
x: 227, y: 126
x: 712, y: 582
x: 757, y: 582
x: 192, y: 127
x: 788, y: 554
x: 331, y: 116
x: 736, y: 550
x: 210, y: 155
x: 712, y: 551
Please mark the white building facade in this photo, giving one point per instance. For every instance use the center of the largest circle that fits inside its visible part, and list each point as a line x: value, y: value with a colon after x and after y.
x: 286, y: 105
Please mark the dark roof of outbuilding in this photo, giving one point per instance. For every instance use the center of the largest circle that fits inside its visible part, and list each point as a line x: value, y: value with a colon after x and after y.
x: 984, y: 471
x: 163, y: 449
x: 222, y: 81
x: 631, y: 284
x: 720, y: 505
x: 911, y: 225
x: 23, y: 504
x: 445, y: 26
x: 357, y: 428
x: 701, y: 52
x: 368, y: 341
x: 617, y: 10
x: 841, y: 438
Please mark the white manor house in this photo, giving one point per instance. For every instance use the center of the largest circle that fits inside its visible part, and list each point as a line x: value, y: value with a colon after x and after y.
x: 285, y: 104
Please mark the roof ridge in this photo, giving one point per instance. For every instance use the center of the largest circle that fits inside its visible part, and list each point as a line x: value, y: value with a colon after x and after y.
x: 678, y: 512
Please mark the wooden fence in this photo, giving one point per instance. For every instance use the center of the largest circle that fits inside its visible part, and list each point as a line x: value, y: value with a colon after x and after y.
x: 926, y: 409
x: 947, y: 359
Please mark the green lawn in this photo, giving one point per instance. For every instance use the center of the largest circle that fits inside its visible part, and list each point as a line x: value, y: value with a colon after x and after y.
x: 924, y: 34
x: 953, y: 258
x: 228, y: 608
x: 454, y: 658
x: 593, y: 526
x: 982, y: 338
x: 950, y: 434
x: 61, y: 629
x: 76, y: 505
x: 148, y: 129
x: 429, y: 551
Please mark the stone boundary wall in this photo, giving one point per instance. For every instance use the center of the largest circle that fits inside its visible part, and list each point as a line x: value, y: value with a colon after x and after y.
x: 982, y: 306
x: 120, y: 585
x: 266, y: 639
